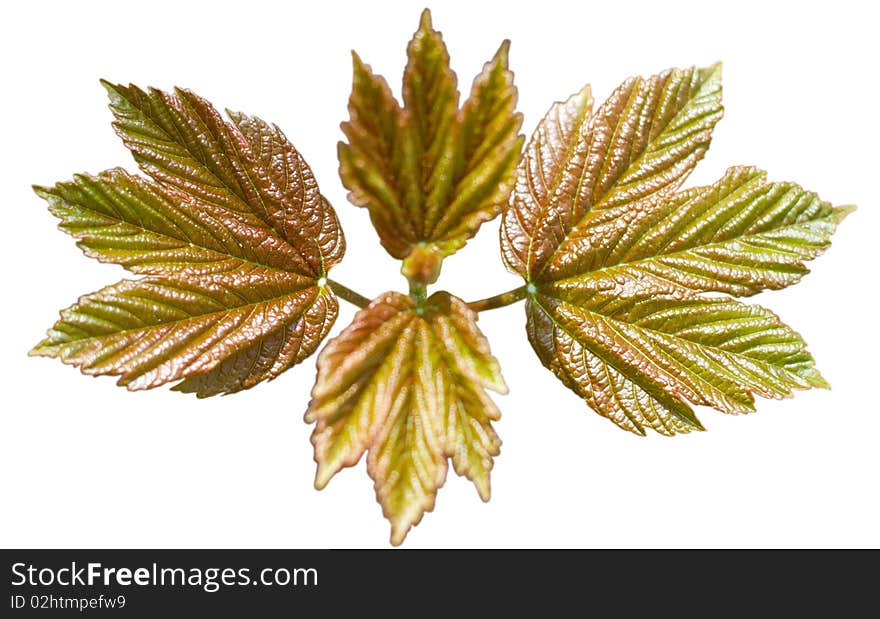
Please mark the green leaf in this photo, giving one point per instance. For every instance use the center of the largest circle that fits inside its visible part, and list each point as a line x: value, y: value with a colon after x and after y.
x: 618, y: 262
x: 153, y: 331
x: 155, y: 230
x: 430, y: 107
x: 407, y: 383
x: 644, y: 139
x: 248, y: 167
x: 739, y: 235
x: 428, y: 172
x: 636, y: 359
x: 233, y: 236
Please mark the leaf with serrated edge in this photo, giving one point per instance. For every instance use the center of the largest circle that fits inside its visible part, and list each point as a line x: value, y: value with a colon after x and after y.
x: 617, y: 263
x: 233, y: 236
x: 638, y: 359
x: 644, y: 139
x: 428, y: 172
x: 739, y: 235
x: 408, y: 384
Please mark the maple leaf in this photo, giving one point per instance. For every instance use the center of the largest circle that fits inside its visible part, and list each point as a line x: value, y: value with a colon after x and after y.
x: 428, y: 172
x: 629, y: 280
x: 406, y: 382
x: 617, y: 262
x: 232, y: 235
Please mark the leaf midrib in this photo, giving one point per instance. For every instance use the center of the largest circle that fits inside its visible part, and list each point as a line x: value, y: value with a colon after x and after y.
x: 202, y: 164
x: 622, y: 371
x: 661, y: 335
x: 584, y: 113
x: 247, y: 172
x: 592, y: 274
x: 222, y: 254
x: 267, y: 301
x: 599, y: 199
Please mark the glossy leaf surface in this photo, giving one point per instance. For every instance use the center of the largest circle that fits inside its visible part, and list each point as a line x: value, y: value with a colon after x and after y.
x: 428, y: 172
x: 618, y: 262
x: 232, y: 234
x: 629, y: 280
x: 407, y: 383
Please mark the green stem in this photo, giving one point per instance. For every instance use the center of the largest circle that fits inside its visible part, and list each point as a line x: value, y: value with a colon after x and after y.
x: 348, y: 294
x: 418, y: 290
x: 499, y: 300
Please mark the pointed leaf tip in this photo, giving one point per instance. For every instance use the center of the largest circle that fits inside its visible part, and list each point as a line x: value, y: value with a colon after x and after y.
x: 503, y: 52
x: 815, y: 378
x: 409, y: 388
x: 692, y: 421
x: 434, y: 171
x: 39, y: 350
x: 107, y: 84
x: 323, y: 475
x: 232, y: 233
x: 42, y: 191
x: 622, y: 261
x: 398, y: 534
x: 844, y: 211
x: 484, y: 490
x: 425, y: 22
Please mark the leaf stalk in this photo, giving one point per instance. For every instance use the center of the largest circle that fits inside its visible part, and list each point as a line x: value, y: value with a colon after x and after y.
x: 344, y: 292
x: 499, y: 300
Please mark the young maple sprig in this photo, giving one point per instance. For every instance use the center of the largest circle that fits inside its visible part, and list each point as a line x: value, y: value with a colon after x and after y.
x: 234, y: 243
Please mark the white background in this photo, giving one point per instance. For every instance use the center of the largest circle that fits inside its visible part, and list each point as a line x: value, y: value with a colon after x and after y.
x: 86, y: 464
